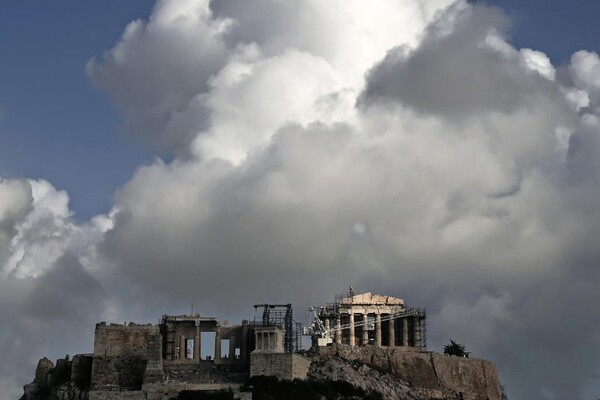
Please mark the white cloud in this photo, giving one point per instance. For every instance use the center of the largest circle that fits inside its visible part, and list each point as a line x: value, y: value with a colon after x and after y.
x: 539, y: 62
x: 42, y: 235
x: 15, y: 204
x: 47, y: 298
x: 161, y: 70
x: 250, y: 100
x: 160, y: 66
x: 585, y: 69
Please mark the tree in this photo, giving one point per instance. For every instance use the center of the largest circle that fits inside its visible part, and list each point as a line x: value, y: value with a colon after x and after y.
x: 455, y: 349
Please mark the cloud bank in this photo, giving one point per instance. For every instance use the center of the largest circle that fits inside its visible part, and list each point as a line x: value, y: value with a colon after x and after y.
x: 406, y: 148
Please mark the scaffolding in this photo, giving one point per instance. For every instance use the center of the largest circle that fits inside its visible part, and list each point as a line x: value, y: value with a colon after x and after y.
x: 331, y: 319
x: 282, y: 317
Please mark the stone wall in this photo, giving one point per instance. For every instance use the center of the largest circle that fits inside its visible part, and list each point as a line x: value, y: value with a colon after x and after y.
x: 119, y: 372
x: 205, y: 372
x: 154, y: 368
x: 281, y: 365
x: 121, y: 353
x: 61, y: 372
x: 116, y: 340
x: 112, y: 395
x: 81, y: 370
x: 431, y: 374
x: 171, y: 391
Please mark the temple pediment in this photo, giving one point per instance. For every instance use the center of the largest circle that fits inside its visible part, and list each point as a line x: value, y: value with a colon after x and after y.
x: 372, y: 299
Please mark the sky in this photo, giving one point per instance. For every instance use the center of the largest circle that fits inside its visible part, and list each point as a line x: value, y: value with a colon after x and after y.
x: 55, y: 125
x: 154, y: 154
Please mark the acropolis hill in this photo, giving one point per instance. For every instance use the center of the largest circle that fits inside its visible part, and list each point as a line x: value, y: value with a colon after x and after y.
x: 363, y: 346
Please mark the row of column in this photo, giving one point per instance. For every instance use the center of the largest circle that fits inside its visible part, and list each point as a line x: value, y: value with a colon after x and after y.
x: 266, y: 341
x: 198, y: 345
x: 378, y: 340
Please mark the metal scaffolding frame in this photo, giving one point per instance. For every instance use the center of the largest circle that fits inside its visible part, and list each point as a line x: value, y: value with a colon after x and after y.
x: 281, y: 316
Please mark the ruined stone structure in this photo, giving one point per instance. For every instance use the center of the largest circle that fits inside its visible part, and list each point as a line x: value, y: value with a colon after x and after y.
x: 151, y: 361
x: 182, y: 339
x: 159, y: 361
x: 370, y: 319
x: 269, y: 339
x: 270, y: 359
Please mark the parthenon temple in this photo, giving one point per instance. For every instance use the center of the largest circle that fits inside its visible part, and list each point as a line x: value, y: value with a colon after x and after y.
x: 370, y: 319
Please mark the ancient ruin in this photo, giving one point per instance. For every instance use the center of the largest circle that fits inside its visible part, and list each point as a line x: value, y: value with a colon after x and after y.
x: 374, y: 342
x: 368, y: 319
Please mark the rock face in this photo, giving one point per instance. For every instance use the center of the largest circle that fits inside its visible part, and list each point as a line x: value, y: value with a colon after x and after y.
x: 68, y: 380
x: 361, y: 376
x: 430, y: 375
x: 41, y: 372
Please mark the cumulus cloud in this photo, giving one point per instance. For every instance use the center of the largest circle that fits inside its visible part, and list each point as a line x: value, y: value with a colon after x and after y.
x: 16, y: 203
x: 406, y: 148
x: 469, y: 68
x: 47, y: 295
x: 158, y: 68
x: 162, y: 71
x: 585, y: 72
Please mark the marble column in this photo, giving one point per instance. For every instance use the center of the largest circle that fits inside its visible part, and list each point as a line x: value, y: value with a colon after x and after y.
x: 352, y: 337
x: 232, y: 347
x: 338, y: 330
x: 392, y: 333
x: 404, y: 331
x: 378, y: 329
x: 217, y: 344
x: 197, y: 343
x: 244, y: 349
x: 182, y: 348
x: 365, y: 338
x: 417, y: 331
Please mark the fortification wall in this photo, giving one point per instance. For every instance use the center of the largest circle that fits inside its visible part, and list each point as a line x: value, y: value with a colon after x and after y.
x: 121, y: 353
x: 431, y: 374
x: 281, y: 365
x: 116, y: 340
x: 118, y: 372
x: 81, y: 370
x: 112, y: 395
x: 171, y: 391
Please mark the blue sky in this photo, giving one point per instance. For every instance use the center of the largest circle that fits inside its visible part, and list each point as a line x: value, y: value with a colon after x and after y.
x: 58, y: 127
x: 558, y: 28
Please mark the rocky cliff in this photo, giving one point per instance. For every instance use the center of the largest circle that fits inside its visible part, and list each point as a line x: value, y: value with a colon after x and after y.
x: 67, y: 380
x: 338, y: 372
x: 431, y: 375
